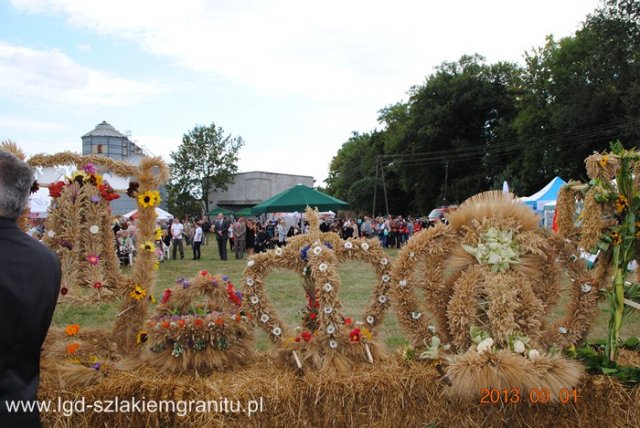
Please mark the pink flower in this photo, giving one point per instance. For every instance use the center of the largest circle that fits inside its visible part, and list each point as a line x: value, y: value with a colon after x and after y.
x: 90, y: 168
x: 93, y: 259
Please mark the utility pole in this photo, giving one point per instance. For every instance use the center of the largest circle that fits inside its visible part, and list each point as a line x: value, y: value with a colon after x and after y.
x: 375, y: 188
x: 446, y: 178
x: 384, y: 188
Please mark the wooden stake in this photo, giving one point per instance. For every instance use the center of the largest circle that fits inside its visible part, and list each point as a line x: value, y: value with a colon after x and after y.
x: 298, y: 362
x: 366, y: 347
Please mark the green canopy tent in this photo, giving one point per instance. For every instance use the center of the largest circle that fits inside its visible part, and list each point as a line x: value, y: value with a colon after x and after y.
x: 298, y: 198
x: 244, y: 212
x: 222, y: 211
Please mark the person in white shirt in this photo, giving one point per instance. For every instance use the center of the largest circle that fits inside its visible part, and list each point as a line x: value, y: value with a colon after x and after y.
x: 177, y: 230
x: 197, y: 240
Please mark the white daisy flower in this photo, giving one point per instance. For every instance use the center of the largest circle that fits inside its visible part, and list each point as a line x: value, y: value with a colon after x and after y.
x: 385, y: 278
x: 278, y: 251
x: 333, y: 344
x: 416, y: 315
x: 331, y: 329
x: 432, y: 328
x: 533, y: 354
x: 51, y: 234
x: 485, y: 345
x: 412, y: 254
x: 518, y: 347
x: 328, y: 287
x: 562, y: 330
x: 277, y: 331
x: 254, y: 300
x: 250, y: 282
x: 251, y: 263
x: 323, y: 267
x: 403, y: 283
x: 348, y: 245
x: 264, y: 318
x: 317, y: 250
x: 371, y: 319
x: 382, y: 298
x: 585, y: 288
x: 328, y: 310
x: 384, y: 262
x: 364, y: 246
x: 94, y: 229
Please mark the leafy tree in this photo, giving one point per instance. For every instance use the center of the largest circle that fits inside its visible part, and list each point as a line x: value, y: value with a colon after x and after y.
x: 206, y: 160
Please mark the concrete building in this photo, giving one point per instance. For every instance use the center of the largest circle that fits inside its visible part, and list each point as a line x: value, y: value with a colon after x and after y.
x: 108, y: 141
x: 251, y: 188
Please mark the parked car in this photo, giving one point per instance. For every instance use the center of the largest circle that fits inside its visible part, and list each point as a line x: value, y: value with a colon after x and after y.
x: 440, y: 213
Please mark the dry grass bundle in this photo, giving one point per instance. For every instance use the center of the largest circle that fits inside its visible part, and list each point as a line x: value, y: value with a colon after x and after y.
x: 473, y: 371
x: 565, y: 211
x: 602, y: 166
x: 392, y: 393
x: 493, y: 204
x: 592, y: 220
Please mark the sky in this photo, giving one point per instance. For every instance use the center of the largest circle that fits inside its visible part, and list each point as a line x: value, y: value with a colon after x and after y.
x: 293, y: 78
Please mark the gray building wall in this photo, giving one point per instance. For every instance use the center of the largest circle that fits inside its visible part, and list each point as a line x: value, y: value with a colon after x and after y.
x: 251, y: 188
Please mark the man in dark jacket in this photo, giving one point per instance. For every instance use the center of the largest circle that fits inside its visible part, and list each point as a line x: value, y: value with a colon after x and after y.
x: 29, y: 286
x: 221, y: 228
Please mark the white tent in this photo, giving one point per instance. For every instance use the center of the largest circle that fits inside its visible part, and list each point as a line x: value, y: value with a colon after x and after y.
x: 548, y: 193
x: 162, y: 214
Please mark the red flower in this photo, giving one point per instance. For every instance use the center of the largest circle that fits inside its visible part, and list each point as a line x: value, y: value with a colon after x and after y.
x: 354, y: 335
x: 198, y: 322
x: 166, y: 296
x: 107, y: 192
x: 306, y: 336
x: 93, y: 259
x: 219, y: 322
x: 204, y: 272
x: 297, y: 339
x: 165, y: 324
x: 55, y: 189
x: 97, y: 285
x: 64, y: 291
x: 347, y: 321
x: 312, y: 315
x: 181, y: 323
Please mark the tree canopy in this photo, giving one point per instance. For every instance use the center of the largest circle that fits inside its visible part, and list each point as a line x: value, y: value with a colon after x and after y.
x: 206, y: 160
x: 471, y: 125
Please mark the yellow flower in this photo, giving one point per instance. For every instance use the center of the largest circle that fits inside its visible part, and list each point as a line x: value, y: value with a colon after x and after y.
x: 149, y: 198
x: 604, y: 160
x: 141, y: 337
x: 616, y: 238
x: 138, y: 293
x: 158, y: 233
x: 621, y: 204
x: 93, y: 359
x: 156, y: 265
x: 98, y: 179
x: 148, y: 246
x: 366, y: 334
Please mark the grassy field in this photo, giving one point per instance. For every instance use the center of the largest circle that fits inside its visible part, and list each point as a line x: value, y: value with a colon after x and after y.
x: 286, y: 292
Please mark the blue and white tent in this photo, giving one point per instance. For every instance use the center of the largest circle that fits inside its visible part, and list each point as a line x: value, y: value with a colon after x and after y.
x: 548, y: 193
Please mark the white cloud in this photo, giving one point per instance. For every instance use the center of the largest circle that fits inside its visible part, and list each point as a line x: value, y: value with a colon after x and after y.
x: 84, y: 47
x: 12, y: 124
x: 53, y: 77
x: 334, y: 50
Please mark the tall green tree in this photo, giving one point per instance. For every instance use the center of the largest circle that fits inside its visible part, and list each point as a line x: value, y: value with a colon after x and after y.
x: 206, y: 160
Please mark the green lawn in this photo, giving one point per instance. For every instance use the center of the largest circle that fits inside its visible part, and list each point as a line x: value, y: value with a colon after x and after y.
x: 286, y: 292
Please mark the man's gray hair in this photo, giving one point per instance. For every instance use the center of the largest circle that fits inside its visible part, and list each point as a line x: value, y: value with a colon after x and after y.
x: 16, y: 179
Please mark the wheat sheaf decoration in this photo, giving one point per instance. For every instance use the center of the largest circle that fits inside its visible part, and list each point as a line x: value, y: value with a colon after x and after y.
x: 490, y: 279
x: 327, y: 339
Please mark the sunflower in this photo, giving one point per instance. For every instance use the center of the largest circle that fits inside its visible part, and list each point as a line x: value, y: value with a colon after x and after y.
x: 604, y: 160
x: 138, y: 293
x: 149, y: 198
x: 621, y: 204
x: 616, y: 238
x: 158, y: 234
x: 148, y: 247
x: 141, y: 337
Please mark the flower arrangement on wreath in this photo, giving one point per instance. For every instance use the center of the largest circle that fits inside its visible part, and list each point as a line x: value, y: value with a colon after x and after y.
x: 86, y: 175
x: 196, y: 322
